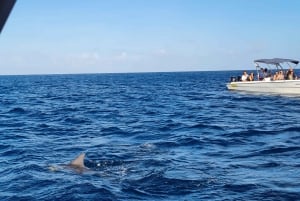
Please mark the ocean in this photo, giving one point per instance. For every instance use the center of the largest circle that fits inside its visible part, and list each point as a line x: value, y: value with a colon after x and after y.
x: 147, y: 136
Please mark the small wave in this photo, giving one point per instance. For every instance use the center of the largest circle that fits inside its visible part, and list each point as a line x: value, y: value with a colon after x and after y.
x: 68, y: 109
x: 291, y: 129
x: 240, y: 188
x: 270, y: 151
x: 112, y: 130
x: 43, y: 125
x: 77, y: 120
x: 147, y: 146
x: 16, y: 197
x: 189, y: 141
x: 5, y: 146
x: 17, y: 153
x: 250, y: 133
x: 155, y: 184
x: 169, y: 126
x: 155, y: 163
x: 278, y: 150
x: 272, y: 194
x: 206, y: 126
x: 166, y: 144
x: 270, y: 165
x: 197, y: 142
x: 80, y: 191
x: 17, y: 110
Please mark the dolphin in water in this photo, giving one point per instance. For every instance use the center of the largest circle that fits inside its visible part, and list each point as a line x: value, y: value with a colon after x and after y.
x: 77, y: 164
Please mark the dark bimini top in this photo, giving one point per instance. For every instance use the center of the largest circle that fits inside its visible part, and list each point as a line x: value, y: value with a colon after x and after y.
x: 276, y: 61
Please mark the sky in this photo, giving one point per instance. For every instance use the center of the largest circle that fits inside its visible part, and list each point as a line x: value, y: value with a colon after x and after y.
x: 117, y: 36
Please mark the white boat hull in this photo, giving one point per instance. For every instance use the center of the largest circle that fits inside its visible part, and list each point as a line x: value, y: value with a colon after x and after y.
x: 278, y: 86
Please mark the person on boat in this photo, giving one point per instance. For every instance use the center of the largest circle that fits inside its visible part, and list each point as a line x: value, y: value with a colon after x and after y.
x: 244, y: 76
x: 280, y: 75
x: 267, y: 73
x: 290, y: 75
x: 251, y: 77
x: 276, y: 76
x: 261, y: 74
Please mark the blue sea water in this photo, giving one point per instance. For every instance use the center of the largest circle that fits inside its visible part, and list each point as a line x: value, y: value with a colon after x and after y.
x: 147, y: 136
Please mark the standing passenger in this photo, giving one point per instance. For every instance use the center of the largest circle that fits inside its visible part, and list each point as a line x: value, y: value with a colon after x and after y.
x: 261, y: 74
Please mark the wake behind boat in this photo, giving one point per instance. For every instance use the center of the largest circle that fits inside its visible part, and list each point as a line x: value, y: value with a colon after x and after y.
x: 273, y: 76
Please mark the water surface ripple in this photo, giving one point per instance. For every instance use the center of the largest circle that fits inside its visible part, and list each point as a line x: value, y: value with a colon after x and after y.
x: 147, y: 136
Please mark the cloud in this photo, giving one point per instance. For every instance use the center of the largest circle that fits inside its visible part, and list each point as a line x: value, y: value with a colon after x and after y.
x: 96, y: 61
x: 162, y: 52
x: 90, y: 56
x: 122, y: 56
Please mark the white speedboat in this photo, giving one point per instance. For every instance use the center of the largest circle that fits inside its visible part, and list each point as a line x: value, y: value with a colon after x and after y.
x: 266, y: 81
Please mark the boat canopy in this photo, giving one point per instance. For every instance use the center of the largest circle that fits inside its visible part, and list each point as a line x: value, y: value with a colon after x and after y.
x: 276, y: 61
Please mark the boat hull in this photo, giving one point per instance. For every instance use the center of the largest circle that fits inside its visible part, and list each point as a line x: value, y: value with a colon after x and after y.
x: 278, y: 86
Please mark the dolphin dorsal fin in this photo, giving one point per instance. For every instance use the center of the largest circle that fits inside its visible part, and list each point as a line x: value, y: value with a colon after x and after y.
x: 78, y: 161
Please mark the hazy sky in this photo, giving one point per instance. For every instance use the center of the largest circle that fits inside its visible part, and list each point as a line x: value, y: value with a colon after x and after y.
x: 98, y: 36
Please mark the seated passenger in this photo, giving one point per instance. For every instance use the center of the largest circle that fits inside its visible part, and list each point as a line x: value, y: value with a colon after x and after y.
x: 276, y: 76
x: 251, y: 77
x: 244, y: 76
x: 290, y: 74
x: 280, y: 75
